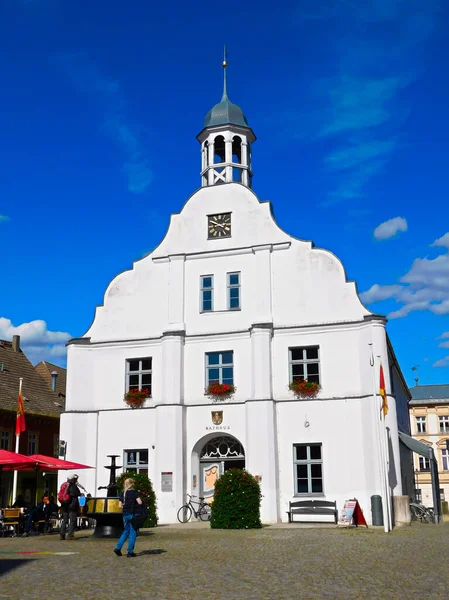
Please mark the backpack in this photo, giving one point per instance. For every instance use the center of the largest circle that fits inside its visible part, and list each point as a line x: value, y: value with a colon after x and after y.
x: 63, y: 494
x: 140, y: 515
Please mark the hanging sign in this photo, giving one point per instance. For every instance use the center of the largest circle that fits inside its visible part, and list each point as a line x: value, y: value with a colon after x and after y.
x: 166, y: 481
x: 351, y: 515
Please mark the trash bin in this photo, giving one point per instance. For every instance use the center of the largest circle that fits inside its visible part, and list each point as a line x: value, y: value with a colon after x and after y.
x: 377, y: 512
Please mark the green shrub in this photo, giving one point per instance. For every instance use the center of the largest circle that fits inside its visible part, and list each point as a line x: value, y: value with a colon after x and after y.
x: 145, y: 489
x: 236, y: 502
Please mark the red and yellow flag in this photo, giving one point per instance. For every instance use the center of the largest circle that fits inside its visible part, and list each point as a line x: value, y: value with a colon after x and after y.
x: 383, y: 393
x: 20, y: 418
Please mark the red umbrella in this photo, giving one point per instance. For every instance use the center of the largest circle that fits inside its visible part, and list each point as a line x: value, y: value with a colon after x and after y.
x: 40, y: 462
x: 50, y: 463
x: 13, y: 460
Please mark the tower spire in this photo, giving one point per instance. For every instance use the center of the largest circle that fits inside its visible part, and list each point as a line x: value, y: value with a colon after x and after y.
x: 225, y: 66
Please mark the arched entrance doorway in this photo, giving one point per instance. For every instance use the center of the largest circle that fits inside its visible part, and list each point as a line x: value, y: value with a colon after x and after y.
x: 218, y: 455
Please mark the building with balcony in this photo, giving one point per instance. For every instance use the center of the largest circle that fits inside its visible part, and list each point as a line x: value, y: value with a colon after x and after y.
x: 429, y: 423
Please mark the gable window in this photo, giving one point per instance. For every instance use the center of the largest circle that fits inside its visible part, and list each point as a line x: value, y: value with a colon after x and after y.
x: 304, y: 363
x: 421, y: 424
x: 424, y: 463
x: 220, y: 367
x: 444, y: 424
x: 233, y: 291
x: 32, y: 442
x: 206, y: 293
x: 5, y: 440
x: 139, y: 374
x: 445, y: 459
x: 136, y: 461
x: 308, y: 469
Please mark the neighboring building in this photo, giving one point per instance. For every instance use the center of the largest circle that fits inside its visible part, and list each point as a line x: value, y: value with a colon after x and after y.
x: 43, y: 408
x: 429, y: 420
x: 228, y: 296
x: 56, y: 377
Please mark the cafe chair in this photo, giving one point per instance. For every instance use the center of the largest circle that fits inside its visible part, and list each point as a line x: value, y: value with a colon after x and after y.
x: 11, y: 518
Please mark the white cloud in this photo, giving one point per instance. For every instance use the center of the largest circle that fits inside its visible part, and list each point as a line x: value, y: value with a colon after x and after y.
x: 377, y: 293
x: 442, y: 241
x: 3, y: 218
x: 443, y: 362
x: 424, y: 287
x: 444, y: 336
x: 443, y: 345
x: 389, y: 228
x: 38, y: 342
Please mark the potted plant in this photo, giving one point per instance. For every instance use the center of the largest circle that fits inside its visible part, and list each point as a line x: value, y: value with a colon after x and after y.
x: 136, y: 398
x: 304, y: 389
x: 220, y: 391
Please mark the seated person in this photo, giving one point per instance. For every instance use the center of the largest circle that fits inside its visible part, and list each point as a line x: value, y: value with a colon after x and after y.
x: 36, y: 514
x: 20, y: 502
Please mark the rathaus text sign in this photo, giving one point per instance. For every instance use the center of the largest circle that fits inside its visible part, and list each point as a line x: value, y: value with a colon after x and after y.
x: 217, y: 427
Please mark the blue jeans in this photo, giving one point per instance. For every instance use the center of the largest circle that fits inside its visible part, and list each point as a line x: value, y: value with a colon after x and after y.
x: 129, y: 533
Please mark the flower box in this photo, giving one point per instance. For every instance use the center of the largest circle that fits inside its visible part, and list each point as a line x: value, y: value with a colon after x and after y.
x: 304, y: 389
x: 136, y: 398
x: 219, y: 391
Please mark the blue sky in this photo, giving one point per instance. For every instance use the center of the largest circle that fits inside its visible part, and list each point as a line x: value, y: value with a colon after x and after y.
x: 101, y: 103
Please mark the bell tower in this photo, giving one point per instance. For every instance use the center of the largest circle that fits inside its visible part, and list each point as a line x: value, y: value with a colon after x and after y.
x: 226, y: 142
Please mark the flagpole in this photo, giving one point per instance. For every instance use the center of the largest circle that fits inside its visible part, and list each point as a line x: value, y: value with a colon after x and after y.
x: 386, y: 461
x: 382, y: 474
x: 14, y: 484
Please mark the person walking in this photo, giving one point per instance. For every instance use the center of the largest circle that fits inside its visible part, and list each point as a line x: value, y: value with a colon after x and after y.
x: 69, y: 507
x: 128, y: 502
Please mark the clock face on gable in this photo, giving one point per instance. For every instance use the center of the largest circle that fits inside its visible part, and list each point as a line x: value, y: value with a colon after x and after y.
x: 219, y: 226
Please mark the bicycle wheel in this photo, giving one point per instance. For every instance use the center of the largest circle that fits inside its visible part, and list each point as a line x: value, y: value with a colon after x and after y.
x: 204, y: 513
x: 184, y: 514
x: 416, y: 512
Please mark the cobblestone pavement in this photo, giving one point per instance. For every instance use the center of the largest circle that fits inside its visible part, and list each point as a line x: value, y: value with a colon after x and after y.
x: 275, y: 563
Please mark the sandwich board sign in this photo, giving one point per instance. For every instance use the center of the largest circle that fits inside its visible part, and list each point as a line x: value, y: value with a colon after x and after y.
x: 351, y: 515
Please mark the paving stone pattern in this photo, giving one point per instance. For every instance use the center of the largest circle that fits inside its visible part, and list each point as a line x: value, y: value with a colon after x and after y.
x: 193, y: 561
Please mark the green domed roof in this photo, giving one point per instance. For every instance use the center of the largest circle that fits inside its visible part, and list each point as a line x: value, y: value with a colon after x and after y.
x: 225, y: 113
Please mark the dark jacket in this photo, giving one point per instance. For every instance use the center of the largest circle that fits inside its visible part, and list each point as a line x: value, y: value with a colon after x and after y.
x: 74, y: 492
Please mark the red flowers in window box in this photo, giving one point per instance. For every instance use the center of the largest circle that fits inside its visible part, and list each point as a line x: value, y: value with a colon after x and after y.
x: 136, y: 398
x: 304, y: 389
x: 220, y: 391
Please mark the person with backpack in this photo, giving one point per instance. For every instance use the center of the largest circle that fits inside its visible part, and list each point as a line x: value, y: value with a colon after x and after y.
x: 68, y: 497
x: 132, y: 505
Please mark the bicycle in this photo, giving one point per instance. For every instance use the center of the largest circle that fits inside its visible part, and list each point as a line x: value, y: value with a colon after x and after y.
x: 186, y: 511
x: 421, y: 513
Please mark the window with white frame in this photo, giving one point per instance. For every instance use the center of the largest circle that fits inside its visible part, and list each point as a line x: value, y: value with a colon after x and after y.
x: 220, y: 367
x: 442, y: 494
x: 206, y: 293
x: 444, y: 423
x: 445, y: 459
x: 33, y: 439
x: 5, y: 439
x: 304, y: 363
x: 233, y: 285
x: 421, y: 424
x: 418, y: 495
x: 424, y: 463
x: 308, y: 469
x: 135, y: 461
x: 139, y: 374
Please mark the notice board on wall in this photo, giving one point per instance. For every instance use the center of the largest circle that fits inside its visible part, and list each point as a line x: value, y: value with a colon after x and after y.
x: 166, y: 481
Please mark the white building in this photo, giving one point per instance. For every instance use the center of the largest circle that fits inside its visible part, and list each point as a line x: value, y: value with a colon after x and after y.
x: 229, y: 295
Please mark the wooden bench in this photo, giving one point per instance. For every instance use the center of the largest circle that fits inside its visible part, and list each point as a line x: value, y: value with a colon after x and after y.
x: 312, y: 507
